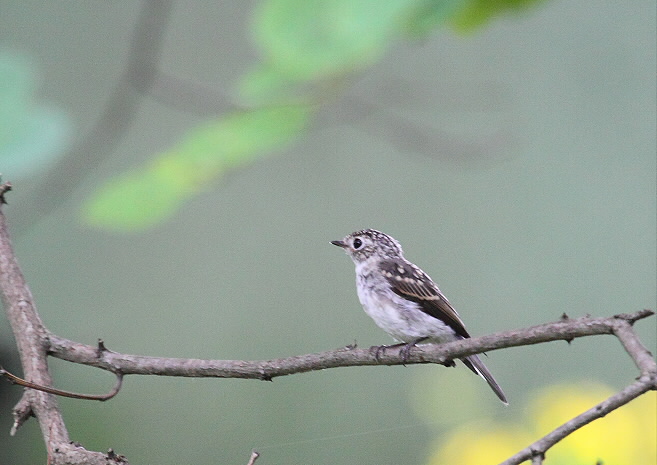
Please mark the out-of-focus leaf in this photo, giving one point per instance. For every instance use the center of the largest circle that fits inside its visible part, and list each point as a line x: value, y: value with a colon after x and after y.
x: 265, y: 86
x: 144, y: 197
x: 312, y: 39
x: 31, y: 136
x: 136, y: 200
x: 306, y: 43
x: 476, y: 13
x: 244, y: 135
x: 432, y: 13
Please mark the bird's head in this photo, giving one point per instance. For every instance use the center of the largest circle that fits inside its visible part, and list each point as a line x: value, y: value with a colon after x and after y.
x: 367, y: 243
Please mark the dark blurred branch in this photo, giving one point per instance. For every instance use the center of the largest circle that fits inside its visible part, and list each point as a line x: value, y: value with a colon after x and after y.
x: 35, y: 343
x: 88, y: 153
x: 185, y: 95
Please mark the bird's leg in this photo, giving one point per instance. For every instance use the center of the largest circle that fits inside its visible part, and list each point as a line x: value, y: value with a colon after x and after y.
x: 405, y: 351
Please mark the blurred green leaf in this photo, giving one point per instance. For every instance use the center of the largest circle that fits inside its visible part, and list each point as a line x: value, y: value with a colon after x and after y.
x: 432, y: 13
x: 265, y: 85
x: 144, y: 197
x: 306, y: 43
x: 245, y: 135
x: 477, y: 13
x: 31, y: 136
x: 312, y: 39
x: 135, y: 200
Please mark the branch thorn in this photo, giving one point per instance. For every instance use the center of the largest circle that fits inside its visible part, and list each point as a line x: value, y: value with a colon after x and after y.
x: 254, y: 456
x: 101, y: 348
x: 4, y: 188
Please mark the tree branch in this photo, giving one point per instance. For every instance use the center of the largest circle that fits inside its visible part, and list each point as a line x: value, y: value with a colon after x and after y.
x: 32, y: 341
x: 35, y: 343
x: 647, y: 381
x: 130, y: 364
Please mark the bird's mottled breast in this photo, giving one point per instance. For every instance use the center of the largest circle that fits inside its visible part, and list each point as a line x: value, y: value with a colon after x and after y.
x: 403, y: 319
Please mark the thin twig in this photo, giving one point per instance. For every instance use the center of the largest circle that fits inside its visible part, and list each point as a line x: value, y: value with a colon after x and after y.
x: 59, y: 392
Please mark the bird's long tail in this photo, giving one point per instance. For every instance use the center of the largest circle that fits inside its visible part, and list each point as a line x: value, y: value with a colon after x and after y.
x: 477, y: 366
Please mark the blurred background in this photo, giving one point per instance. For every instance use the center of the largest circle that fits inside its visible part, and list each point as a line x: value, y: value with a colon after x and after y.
x: 513, y: 156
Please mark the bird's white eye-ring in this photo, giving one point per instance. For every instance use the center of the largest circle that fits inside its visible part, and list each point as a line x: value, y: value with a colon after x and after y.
x: 357, y: 244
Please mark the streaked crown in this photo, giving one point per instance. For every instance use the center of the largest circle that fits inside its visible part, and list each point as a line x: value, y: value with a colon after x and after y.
x: 361, y: 245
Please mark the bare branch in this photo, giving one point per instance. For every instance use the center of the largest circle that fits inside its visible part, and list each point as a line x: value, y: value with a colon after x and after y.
x: 647, y: 381
x: 32, y: 341
x: 641, y: 356
x: 127, y: 364
x: 538, y: 448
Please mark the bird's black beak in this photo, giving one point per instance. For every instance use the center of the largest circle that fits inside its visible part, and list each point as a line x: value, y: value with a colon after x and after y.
x: 339, y: 244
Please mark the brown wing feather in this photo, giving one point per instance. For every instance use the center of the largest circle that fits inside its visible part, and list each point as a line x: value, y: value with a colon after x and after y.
x: 410, y: 282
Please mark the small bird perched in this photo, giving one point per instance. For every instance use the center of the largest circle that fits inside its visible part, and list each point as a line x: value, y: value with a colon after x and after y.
x: 403, y: 300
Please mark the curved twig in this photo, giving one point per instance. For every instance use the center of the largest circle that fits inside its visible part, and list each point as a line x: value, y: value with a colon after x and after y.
x: 59, y: 392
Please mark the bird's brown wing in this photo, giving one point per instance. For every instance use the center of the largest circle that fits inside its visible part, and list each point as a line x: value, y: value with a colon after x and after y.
x: 410, y: 282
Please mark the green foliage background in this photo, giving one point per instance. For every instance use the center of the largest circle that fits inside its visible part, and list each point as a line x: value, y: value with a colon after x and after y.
x: 307, y: 48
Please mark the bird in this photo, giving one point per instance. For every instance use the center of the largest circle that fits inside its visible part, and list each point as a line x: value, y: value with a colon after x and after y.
x: 403, y: 300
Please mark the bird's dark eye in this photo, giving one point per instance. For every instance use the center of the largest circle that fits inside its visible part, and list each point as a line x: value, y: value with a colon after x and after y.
x: 357, y: 243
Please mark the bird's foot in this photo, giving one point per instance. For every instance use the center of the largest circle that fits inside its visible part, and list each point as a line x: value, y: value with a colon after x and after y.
x: 405, y: 351
x: 377, y: 351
